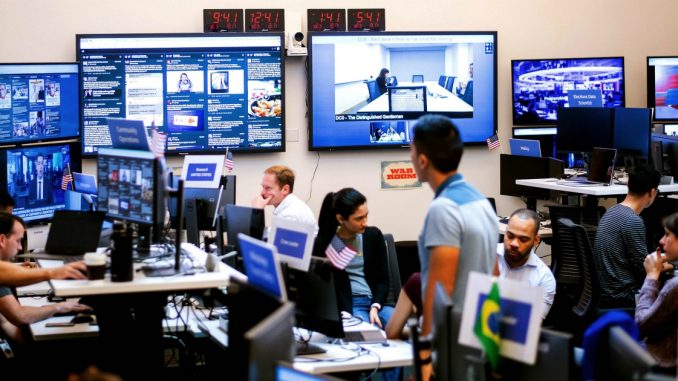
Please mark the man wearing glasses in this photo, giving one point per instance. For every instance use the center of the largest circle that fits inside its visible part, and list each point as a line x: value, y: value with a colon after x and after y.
x: 620, y: 245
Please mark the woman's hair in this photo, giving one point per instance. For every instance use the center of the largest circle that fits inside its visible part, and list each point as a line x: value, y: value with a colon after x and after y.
x: 671, y: 223
x: 344, y: 203
x: 383, y: 72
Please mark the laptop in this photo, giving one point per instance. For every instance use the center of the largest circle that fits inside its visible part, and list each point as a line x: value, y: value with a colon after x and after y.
x: 525, y: 147
x: 601, y: 168
x: 71, y: 234
x: 358, y: 331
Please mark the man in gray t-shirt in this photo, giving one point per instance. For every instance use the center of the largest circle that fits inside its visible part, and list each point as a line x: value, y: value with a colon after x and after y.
x: 460, y: 231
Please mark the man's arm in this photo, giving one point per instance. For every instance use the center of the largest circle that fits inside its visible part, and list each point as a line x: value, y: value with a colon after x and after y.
x: 16, y: 276
x: 18, y: 315
x: 443, y: 264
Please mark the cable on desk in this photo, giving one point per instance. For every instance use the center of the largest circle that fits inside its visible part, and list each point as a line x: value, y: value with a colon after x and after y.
x: 352, y: 321
x: 371, y: 352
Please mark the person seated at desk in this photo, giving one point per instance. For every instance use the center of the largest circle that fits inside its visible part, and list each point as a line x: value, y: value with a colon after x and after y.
x: 277, y: 186
x: 620, y: 247
x: 381, y: 80
x: 12, y: 314
x: 358, y: 253
x: 516, y: 258
x: 657, y: 308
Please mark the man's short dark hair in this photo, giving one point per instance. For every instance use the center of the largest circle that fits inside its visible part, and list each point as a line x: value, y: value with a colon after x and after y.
x: 6, y: 200
x: 528, y: 214
x: 7, y: 222
x: 438, y: 138
x: 642, y: 179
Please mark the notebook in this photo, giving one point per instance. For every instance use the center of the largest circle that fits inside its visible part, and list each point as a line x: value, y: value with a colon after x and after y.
x: 72, y: 233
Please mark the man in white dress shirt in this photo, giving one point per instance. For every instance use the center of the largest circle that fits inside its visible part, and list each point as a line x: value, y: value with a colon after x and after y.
x: 277, y: 186
x: 517, y: 260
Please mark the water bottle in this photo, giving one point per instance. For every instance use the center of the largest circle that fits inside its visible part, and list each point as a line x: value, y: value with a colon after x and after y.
x: 121, y: 253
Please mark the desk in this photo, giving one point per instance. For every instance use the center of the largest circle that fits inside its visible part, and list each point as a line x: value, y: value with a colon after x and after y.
x: 398, y: 353
x: 596, y: 191
x: 130, y: 314
x: 438, y: 99
x: 42, y: 333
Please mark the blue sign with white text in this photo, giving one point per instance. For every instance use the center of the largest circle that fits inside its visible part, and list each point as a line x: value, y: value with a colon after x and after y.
x: 585, y: 98
x: 201, y: 171
x: 514, y: 321
x: 291, y: 243
x: 260, y: 267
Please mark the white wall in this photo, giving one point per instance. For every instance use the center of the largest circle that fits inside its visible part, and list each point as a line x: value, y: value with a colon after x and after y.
x: 43, y: 30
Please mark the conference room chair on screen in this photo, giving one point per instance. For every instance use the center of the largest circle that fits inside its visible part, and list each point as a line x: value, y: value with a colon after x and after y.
x: 449, y: 83
x: 417, y: 78
x: 372, y: 89
x: 441, y: 80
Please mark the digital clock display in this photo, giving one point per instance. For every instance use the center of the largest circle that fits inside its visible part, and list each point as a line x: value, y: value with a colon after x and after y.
x: 222, y: 20
x: 366, y: 19
x: 265, y: 20
x: 324, y: 20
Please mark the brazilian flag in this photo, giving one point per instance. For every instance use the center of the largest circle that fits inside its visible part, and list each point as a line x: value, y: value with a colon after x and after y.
x: 486, y: 327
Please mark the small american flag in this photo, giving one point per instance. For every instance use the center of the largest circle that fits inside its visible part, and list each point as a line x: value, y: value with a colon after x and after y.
x: 158, y: 140
x: 67, y: 178
x: 339, y: 253
x: 493, y: 142
x: 228, y: 162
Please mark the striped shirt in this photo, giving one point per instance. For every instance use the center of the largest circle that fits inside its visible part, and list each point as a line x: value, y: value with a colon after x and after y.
x: 619, y: 250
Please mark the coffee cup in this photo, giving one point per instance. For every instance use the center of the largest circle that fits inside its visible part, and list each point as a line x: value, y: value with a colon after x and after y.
x: 96, y: 265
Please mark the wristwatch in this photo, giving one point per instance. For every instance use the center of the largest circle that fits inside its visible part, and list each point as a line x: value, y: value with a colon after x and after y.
x: 376, y: 305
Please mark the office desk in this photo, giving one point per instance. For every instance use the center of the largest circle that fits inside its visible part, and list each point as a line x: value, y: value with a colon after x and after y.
x: 438, y: 99
x: 596, y: 191
x: 398, y: 353
x: 130, y: 314
x: 42, y: 333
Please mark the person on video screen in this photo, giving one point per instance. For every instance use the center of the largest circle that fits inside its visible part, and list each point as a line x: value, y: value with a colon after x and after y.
x: 41, y: 187
x: 185, y: 85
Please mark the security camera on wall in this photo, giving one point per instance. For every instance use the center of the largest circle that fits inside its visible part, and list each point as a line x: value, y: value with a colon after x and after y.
x: 294, y: 42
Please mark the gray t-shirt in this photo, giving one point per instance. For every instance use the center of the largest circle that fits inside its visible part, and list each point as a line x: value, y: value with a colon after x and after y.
x: 356, y: 269
x: 4, y: 291
x: 460, y: 216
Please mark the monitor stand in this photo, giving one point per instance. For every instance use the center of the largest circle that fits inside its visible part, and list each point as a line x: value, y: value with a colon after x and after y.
x: 308, y: 349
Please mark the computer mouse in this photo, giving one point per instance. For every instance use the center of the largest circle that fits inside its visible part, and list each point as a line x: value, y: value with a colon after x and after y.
x: 82, y: 318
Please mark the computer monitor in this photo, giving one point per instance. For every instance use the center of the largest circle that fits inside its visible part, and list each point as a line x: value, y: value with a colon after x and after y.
x: 513, y: 167
x: 242, y: 219
x: 38, y: 102
x: 623, y: 358
x: 247, y: 306
x: 34, y: 177
x: 315, y: 297
x: 269, y: 342
x: 205, y: 91
x: 665, y: 154
x: 545, y: 135
x: 601, y: 169
x: 582, y: 128
x: 284, y: 372
x: 632, y: 129
x: 130, y: 186
x: 208, y: 203
x: 662, y: 91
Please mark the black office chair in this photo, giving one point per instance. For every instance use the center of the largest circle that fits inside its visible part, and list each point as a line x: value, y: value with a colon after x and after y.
x: 449, y: 83
x: 442, y: 80
x: 408, y: 259
x: 394, y: 272
x: 372, y: 89
x: 417, y: 78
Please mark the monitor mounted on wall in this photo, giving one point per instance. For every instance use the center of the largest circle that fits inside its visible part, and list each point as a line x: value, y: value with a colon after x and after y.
x: 662, y: 87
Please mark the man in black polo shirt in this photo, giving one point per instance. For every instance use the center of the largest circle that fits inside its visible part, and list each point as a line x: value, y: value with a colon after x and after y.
x: 620, y: 246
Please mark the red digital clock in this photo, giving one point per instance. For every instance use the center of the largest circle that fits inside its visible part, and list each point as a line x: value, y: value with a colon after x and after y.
x: 324, y: 20
x: 367, y: 19
x: 222, y: 20
x: 264, y: 20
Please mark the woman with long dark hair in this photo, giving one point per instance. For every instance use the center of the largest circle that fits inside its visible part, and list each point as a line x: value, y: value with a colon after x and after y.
x: 381, y: 80
x: 656, y: 309
x: 358, y: 254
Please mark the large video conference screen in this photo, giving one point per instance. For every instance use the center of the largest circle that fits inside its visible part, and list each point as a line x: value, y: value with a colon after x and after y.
x: 206, y: 91
x: 38, y: 102
x: 662, y: 87
x: 368, y: 88
x: 541, y: 86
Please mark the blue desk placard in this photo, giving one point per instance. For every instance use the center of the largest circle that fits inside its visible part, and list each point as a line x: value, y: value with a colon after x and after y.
x: 201, y: 172
x: 128, y: 134
x: 291, y: 243
x: 585, y: 98
x: 262, y: 266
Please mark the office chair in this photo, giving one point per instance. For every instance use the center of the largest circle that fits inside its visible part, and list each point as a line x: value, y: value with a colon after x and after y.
x: 394, y: 271
x: 442, y: 80
x: 449, y: 83
x: 417, y: 78
x: 372, y: 89
x: 408, y: 259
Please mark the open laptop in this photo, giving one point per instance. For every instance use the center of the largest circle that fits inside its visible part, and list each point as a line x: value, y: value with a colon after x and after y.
x: 71, y: 234
x: 601, y: 168
x: 525, y: 147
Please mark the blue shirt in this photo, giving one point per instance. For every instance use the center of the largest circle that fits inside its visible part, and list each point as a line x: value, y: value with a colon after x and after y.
x: 459, y: 216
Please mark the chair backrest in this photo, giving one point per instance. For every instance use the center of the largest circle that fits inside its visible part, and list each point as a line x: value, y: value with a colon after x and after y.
x: 372, y: 89
x: 417, y: 78
x: 442, y: 80
x: 449, y: 82
x: 408, y: 259
x: 587, y: 302
x: 394, y: 271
